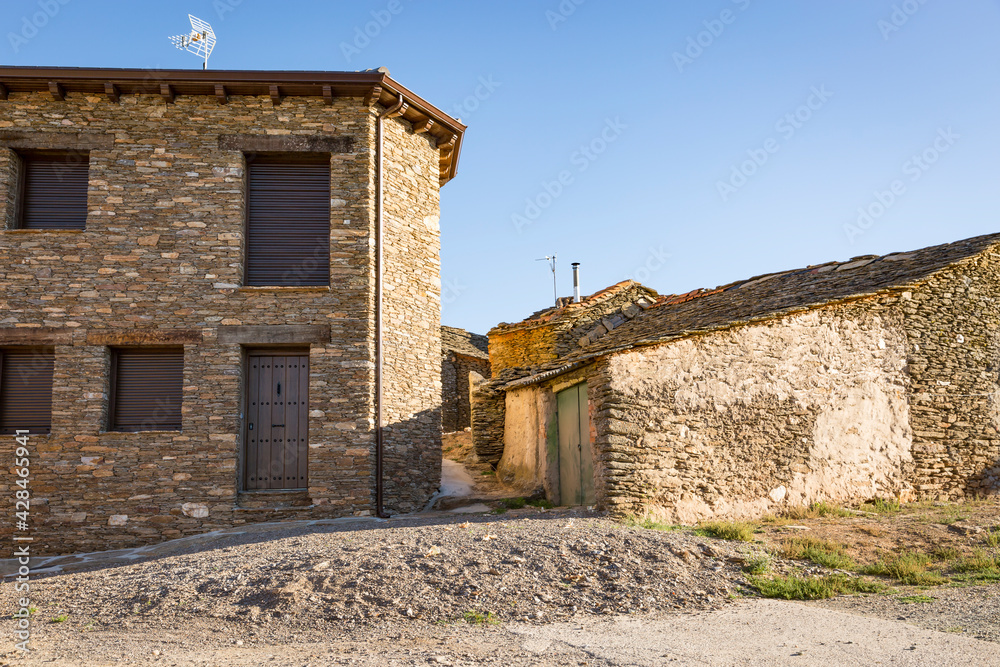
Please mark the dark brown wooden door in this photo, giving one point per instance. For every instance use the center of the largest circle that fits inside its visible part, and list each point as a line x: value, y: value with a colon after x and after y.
x: 276, y: 432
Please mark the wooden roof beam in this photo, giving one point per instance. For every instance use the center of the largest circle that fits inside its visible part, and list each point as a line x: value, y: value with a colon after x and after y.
x: 328, y: 94
x: 446, y: 146
x: 111, y: 90
x: 57, y: 91
x: 419, y: 127
x: 275, y: 94
x: 167, y: 93
x: 220, y: 94
x: 373, y: 95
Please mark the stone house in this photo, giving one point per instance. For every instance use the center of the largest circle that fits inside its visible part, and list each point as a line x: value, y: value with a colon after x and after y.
x: 219, y: 297
x: 540, y: 340
x: 846, y: 381
x: 465, y: 363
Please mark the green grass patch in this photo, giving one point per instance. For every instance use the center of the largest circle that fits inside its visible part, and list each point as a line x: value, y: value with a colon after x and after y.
x: 822, y: 508
x: 979, y: 562
x: 819, y: 588
x: 916, y: 599
x: 883, y: 506
x: 473, y: 617
x: 993, y: 539
x: 739, y: 531
x: 757, y: 564
x: 514, y: 503
x: 949, y: 517
x: 821, y: 552
x: 649, y: 523
x: 945, y: 554
x: 815, y: 511
x: 541, y: 502
x: 908, y: 568
x: 60, y: 618
x: 488, y: 472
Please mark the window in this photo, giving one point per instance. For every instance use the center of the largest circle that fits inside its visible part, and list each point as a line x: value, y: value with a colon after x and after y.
x: 288, y: 221
x: 26, y: 389
x: 146, y: 388
x: 53, y: 190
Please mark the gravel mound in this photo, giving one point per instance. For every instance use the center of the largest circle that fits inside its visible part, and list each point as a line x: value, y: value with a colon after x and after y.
x: 532, y: 566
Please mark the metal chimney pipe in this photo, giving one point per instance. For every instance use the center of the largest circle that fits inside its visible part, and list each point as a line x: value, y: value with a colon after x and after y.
x: 576, y: 282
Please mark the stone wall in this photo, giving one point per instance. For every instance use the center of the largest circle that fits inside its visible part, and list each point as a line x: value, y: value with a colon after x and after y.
x: 456, y: 389
x: 462, y: 353
x: 737, y: 423
x: 561, y: 331
x: 412, y: 316
x: 488, y: 415
x: 952, y: 322
x: 161, y: 262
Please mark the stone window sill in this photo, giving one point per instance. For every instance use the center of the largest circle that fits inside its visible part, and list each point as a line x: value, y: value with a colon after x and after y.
x: 44, y: 231
x: 140, y: 432
x: 285, y: 288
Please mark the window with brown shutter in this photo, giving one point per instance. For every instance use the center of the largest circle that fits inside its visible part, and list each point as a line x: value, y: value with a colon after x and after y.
x: 53, y: 190
x: 288, y: 221
x: 26, y: 389
x: 146, y: 389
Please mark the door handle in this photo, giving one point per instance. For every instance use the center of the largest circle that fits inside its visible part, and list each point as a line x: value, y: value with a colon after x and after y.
x: 251, y: 426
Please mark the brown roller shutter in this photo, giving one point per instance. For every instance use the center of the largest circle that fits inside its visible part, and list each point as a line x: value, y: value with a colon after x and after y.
x: 288, y: 221
x: 54, y: 191
x: 26, y: 389
x: 147, y: 389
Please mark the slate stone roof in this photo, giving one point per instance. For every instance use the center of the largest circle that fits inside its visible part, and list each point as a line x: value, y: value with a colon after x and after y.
x: 771, y: 296
x: 461, y: 341
x: 568, y: 309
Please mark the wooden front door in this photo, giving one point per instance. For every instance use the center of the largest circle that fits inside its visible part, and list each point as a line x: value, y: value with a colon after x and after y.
x: 276, y: 431
x: 576, y: 459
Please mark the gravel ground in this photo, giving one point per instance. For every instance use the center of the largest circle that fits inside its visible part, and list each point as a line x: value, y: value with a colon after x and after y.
x: 972, y: 611
x: 410, y: 590
x: 544, y: 565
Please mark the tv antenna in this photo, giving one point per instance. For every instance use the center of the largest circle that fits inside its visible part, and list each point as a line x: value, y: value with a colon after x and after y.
x: 551, y: 259
x: 200, y: 41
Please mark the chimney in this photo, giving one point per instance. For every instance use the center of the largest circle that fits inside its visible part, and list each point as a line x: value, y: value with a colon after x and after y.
x: 576, y: 282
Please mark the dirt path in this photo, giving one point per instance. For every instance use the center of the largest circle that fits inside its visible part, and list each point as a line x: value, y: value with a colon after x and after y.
x: 751, y: 632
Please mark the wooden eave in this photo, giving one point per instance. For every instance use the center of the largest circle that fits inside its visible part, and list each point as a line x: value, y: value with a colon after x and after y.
x: 111, y: 84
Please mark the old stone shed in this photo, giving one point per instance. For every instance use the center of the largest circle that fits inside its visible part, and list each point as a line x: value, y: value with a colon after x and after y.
x: 219, y: 298
x: 465, y: 363
x: 846, y: 381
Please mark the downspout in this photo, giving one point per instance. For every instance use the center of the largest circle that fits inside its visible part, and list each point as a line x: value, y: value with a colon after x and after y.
x: 396, y: 110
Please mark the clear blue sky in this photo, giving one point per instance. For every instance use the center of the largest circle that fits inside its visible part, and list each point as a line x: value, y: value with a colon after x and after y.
x: 666, y: 120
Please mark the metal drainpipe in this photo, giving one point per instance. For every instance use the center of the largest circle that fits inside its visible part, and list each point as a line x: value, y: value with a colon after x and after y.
x: 395, y: 110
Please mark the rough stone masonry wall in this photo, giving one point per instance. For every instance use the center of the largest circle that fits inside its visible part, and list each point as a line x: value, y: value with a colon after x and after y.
x: 523, y: 346
x: 161, y: 262
x: 535, y: 342
x: 456, y: 410
x: 412, y: 318
x: 953, y: 324
x: 740, y: 422
x: 488, y: 415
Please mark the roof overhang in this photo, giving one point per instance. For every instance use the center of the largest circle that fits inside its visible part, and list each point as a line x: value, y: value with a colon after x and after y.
x: 371, y: 86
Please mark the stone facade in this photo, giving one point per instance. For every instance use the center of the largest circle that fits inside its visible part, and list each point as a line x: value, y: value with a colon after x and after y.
x: 161, y: 261
x: 805, y: 408
x: 952, y: 326
x: 554, y: 333
x: 464, y: 364
x: 892, y: 393
x: 518, y: 350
